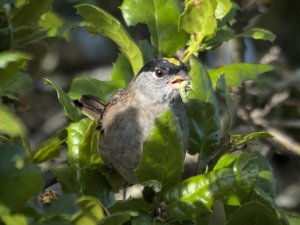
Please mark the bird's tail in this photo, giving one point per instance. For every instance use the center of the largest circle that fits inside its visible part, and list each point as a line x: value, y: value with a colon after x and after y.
x: 91, y: 106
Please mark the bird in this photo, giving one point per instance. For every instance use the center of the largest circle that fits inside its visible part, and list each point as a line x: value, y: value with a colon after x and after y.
x: 126, y: 120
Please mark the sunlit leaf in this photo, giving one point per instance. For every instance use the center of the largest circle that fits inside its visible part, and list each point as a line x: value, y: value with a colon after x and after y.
x: 98, y: 21
x: 199, y: 21
x: 259, y: 33
x: 90, y: 212
x: 90, y: 86
x: 71, y: 111
x: 10, y: 124
x: 83, y: 143
x: 163, y: 152
x: 236, y: 74
x: 162, y: 17
x: 122, y: 71
x: 49, y: 148
x: 16, y: 219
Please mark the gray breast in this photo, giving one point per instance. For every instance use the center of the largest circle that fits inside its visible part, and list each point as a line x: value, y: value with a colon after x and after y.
x: 126, y: 128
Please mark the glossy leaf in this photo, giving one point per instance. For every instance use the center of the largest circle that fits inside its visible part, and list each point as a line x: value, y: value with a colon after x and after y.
x: 163, y: 152
x: 10, y: 124
x: 196, y: 195
x: 236, y: 74
x: 231, y: 181
x: 162, y: 20
x: 199, y: 21
x: 93, y: 183
x: 253, y: 213
x: 90, y: 86
x: 203, y: 113
x: 83, y: 143
x: 15, y: 175
x: 122, y: 71
x: 258, y: 33
x: 48, y: 149
x: 90, y: 212
x: 71, y: 111
x: 98, y: 21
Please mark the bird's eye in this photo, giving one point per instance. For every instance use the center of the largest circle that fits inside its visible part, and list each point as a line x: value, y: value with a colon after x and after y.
x: 159, y: 73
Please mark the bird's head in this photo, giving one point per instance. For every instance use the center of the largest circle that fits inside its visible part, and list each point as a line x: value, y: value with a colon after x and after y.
x: 160, y: 79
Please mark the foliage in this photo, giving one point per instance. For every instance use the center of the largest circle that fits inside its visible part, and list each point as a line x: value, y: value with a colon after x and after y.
x: 242, y: 182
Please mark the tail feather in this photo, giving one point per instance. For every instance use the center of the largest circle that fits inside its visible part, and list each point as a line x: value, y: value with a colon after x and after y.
x: 91, y: 106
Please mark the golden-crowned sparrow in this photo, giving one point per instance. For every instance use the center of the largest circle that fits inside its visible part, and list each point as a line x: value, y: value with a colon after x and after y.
x: 128, y: 117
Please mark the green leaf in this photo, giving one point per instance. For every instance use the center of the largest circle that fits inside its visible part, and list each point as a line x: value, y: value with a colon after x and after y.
x: 147, y: 50
x: 236, y: 74
x: 25, y: 25
x: 293, y: 218
x: 130, y: 204
x: 163, y: 152
x: 162, y: 17
x: 90, y: 86
x: 253, y: 213
x: 122, y: 71
x: 118, y: 218
x: 199, y: 21
x: 90, y: 212
x: 222, y: 90
x: 67, y: 178
x: 5, y: 31
x: 196, y: 195
x: 93, y: 183
x: 98, y: 21
x: 10, y: 124
x: 203, y: 113
x: 223, y: 8
x: 225, y: 161
x: 11, y: 62
x: 243, y: 139
x: 16, y: 219
x: 83, y: 143
x: 71, y: 111
x: 49, y: 148
x: 258, y: 33
x: 64, y: 205
x: 14, y: 175
x: 15, y: 84
x: 231, y: 181
x: 30, y: 13
x: 145, y: 219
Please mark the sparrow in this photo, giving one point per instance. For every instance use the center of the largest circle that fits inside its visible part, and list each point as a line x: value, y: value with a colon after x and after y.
x: 126, y: 120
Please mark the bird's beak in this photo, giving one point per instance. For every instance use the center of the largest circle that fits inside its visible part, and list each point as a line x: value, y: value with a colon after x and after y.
x: 178, y: 78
